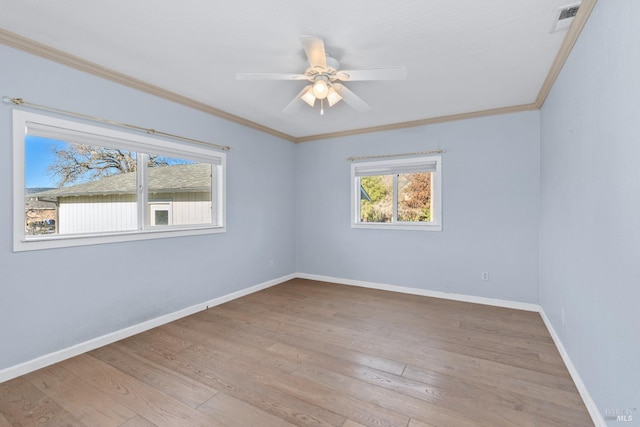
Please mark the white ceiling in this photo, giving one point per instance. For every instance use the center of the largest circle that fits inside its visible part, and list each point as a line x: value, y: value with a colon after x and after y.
x: 462, y: 56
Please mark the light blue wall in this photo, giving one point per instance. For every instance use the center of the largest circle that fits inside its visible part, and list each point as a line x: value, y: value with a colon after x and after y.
x: 50, y: 300
x: 590, y: 227
x: 490, y: 210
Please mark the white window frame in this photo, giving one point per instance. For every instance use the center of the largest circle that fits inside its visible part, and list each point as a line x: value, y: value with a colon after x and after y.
x: 431, y: 164
x: 137, y: 142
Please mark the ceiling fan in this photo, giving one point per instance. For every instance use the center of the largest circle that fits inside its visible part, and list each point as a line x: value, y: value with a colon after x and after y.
x: 324, y: 75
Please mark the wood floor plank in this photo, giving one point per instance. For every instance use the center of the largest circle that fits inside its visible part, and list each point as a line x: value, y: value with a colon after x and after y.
x: 531, y: 332
x: 501, y: 353
x: 319, y: 354
x: 300, y: 327
x: 436, y: 327
x: 229, y: 411
x: 459, y: 364
x: 417, y: 423
x: 416, y: 400
x: 237, y: 383
x: 262, y: 371
x: 180, y: 387
x: 433, y: 396
x: 4, y: 422
x: 152, y: 404
x: 337, y: 400
x: 79, y: 398
x: 275, y: 374
x: 22, y: 404
x: 517, y: 389
x: 138, y: 421
x: 455, y: 394
x: 265, y: 339
x: 161, y: 339
x: 314, y: 318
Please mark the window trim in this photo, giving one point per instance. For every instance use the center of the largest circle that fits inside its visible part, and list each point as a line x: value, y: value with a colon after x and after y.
x: 160, y: 205
x: 21, y: 242
x: 390, y: 167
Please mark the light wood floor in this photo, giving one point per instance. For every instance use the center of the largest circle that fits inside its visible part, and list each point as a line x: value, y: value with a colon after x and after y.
x: 312, y: 353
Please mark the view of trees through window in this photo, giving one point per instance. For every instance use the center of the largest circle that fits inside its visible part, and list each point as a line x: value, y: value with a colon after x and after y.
x: 414, y: 197
x: 73, y: 163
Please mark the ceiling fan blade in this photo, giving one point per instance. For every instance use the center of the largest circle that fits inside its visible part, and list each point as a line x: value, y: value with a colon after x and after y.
x: 351, y: 98
x: 270, y: 76
x: 380, y: 73
x: 296, y: 102
x: 314, y: 48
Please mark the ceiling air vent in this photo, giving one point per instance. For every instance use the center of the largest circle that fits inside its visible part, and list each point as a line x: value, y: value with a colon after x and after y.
x: 564, y: 17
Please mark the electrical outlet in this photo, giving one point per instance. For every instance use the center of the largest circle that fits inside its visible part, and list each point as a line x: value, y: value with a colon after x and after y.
x: 271, y: 264
x: 484, y: 276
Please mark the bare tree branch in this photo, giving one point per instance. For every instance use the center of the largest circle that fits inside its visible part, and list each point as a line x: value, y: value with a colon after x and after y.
x: 81, y: 162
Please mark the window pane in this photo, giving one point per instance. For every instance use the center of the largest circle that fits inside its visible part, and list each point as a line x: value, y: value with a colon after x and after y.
x: 414, y: 197
x: 183, y: 187
x: 376, y: 201
x: 78, y: 188
x: 40, y: 214
x: 162, y: 218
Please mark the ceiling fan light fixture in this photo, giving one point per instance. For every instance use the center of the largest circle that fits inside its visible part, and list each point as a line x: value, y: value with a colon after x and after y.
x: 333, y: 96
x: 309, y: 97
x: 320, y: 87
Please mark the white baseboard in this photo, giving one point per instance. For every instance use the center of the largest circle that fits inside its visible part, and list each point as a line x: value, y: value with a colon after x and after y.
x: 596, y: 416
x: 83, y: 347
x: 425, y: 293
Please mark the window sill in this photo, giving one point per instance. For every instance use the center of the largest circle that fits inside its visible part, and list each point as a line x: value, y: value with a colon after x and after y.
x: 64, y: 241
x: 396, y: 226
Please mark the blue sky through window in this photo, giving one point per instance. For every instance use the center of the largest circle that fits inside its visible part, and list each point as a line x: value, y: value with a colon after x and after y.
x: 39, y: 154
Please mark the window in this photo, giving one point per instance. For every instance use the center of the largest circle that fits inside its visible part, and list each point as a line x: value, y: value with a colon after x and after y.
x: 397, y: 194
x: 160, y: 213
x: 78, y: 184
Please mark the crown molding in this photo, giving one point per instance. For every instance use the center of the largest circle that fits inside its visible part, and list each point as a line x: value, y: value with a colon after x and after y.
x: 421, y: 122
x: 30, y: 46
x: 579, y: 21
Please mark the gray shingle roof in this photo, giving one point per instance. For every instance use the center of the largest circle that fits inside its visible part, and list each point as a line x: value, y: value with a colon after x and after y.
x: 177, y: 178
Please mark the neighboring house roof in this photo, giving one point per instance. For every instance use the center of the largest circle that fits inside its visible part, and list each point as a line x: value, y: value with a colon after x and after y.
x: 31, y: 205
x: 177, y: 178
x: 364, y: 195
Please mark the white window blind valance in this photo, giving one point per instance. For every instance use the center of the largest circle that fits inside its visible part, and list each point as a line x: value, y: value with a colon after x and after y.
x: 76, y: 137
x: 103, y: 140
x: 378, y: 168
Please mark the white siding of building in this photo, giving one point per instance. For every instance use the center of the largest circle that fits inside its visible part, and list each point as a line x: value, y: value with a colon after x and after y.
x: 191, y: 208
x: 97, y: 214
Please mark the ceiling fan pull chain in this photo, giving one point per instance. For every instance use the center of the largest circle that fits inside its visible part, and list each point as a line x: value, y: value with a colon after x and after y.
x: 322, y: 107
